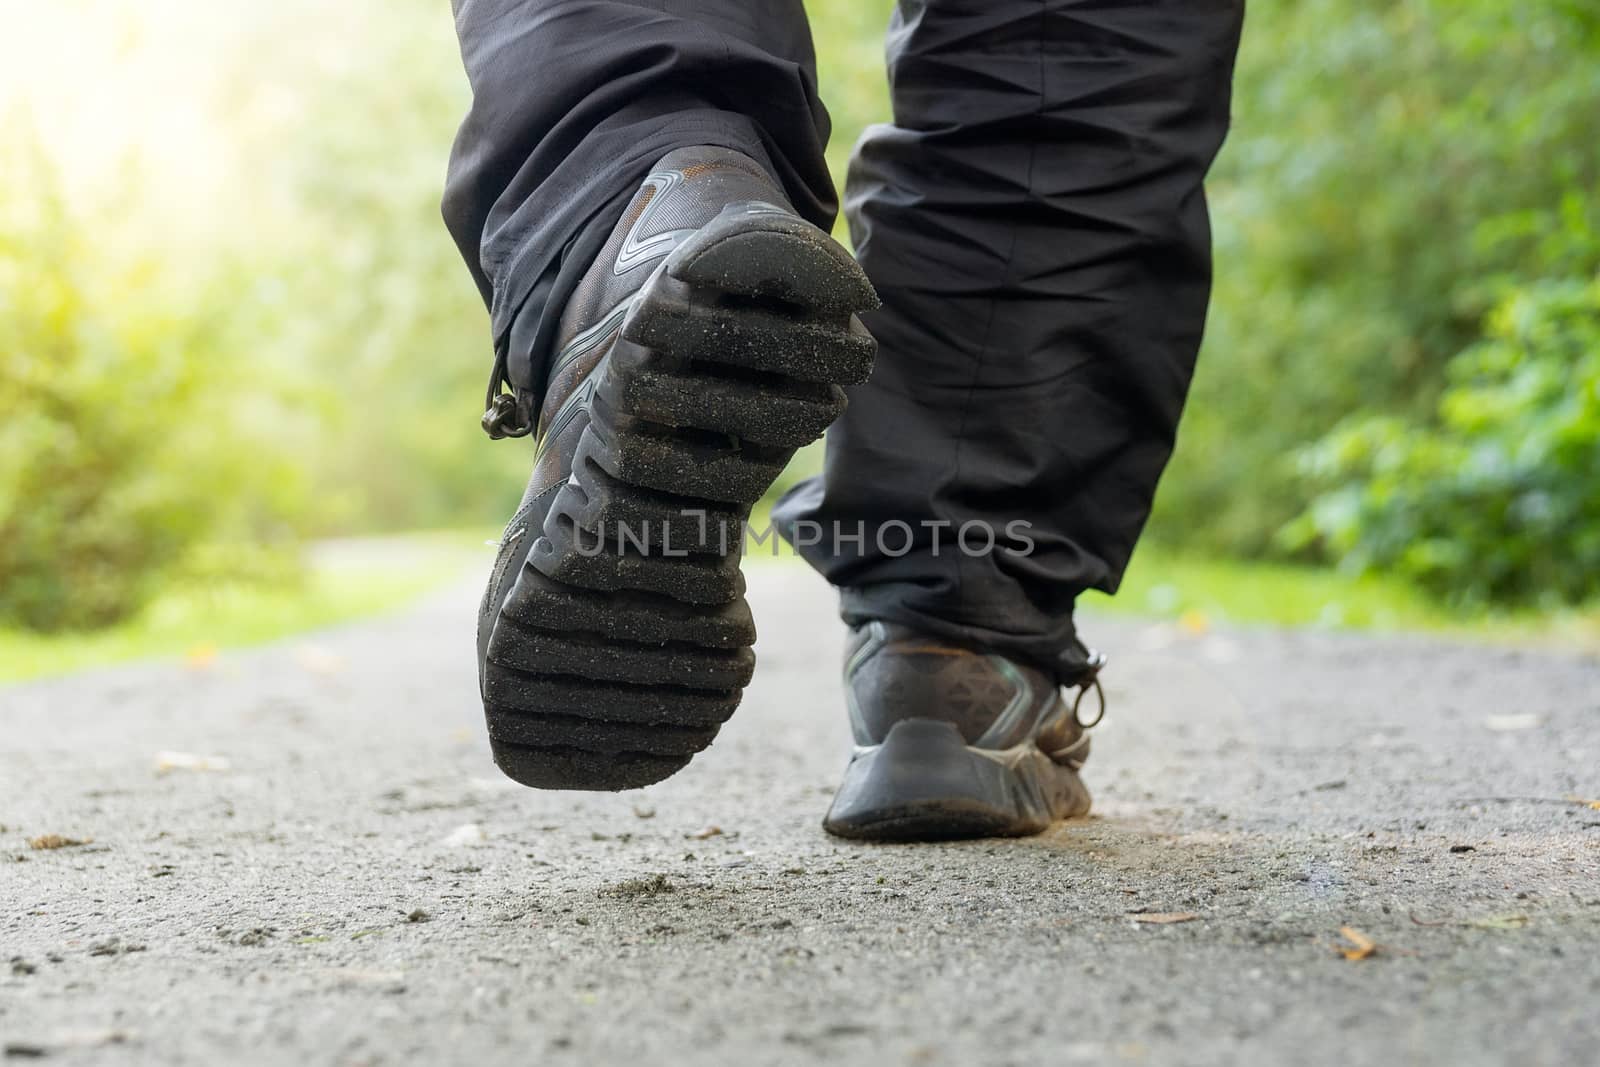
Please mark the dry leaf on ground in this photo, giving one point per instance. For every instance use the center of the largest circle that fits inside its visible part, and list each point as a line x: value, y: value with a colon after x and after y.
x: 1162, y: 918
x: 45, y: 841
x: 1361, y: 946
x: 201, y: 656
x: 315, y: 659
x: 166, y: 762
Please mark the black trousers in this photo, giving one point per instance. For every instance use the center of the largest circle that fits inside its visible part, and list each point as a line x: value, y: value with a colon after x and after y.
x: 1033, y: 218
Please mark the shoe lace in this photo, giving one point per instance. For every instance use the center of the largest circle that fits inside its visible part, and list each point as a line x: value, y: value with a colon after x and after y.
x: 506, y: 412
x: 1087, y: 682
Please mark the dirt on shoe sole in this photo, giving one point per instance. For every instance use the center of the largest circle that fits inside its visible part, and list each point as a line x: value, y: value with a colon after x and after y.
x: 626, y: 643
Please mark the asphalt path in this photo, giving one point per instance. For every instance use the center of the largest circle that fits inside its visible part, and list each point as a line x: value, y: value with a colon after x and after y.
x: 302, y: 854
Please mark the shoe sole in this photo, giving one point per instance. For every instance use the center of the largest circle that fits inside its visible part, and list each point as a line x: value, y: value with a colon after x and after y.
x: 925, y: 783
x: 626, y: 642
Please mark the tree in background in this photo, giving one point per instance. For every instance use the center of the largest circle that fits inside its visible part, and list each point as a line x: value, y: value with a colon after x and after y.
x: 1496, y: 499
x: 138, y: 437
x: 1395, y: 169
x: 1405, y: 214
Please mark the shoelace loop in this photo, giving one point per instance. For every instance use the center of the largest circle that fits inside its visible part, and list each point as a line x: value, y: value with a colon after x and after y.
x: 1087, y: 682
x: 503, y: 418
x: 505, y: 414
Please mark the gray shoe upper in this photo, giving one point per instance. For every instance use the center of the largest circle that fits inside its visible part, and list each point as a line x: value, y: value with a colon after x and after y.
x: 893, y: 673
x: 686, y: 189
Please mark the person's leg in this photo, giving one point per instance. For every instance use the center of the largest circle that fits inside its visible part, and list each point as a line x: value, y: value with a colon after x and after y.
x: 574, y: 100
x: 640, y: 186
x: 1034, y: 222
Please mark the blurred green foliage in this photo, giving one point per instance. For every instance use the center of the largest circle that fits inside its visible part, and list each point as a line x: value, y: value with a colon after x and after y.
x: 1497, y: 499
x: 391, y: 321
x: 186, y: 398
x: 1405, y: 216
x: 1395, y: 167
x: 135, y: 439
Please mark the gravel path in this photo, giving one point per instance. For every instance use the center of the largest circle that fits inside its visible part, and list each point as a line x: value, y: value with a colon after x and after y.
x: 357, y: 886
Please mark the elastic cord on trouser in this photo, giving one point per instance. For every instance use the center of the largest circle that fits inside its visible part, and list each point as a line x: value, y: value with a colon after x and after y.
x: 508, y: 410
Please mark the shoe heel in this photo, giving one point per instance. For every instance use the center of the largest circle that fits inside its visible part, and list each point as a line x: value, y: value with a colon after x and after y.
x: 925, y: 783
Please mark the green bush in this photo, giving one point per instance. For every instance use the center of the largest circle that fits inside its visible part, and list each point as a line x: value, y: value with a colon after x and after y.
x: 1496, y: 501
x: 129, y: 424
x: 1394, y: 165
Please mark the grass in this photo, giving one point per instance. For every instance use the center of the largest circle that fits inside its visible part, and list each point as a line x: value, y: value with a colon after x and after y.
x: 1198, y: 592
x: 196, y: 622
x: 344, y: 581
x: 1171, y: 585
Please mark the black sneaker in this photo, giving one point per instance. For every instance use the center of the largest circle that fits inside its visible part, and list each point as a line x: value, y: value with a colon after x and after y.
x: 954, y: 742
x: 708, y: 341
